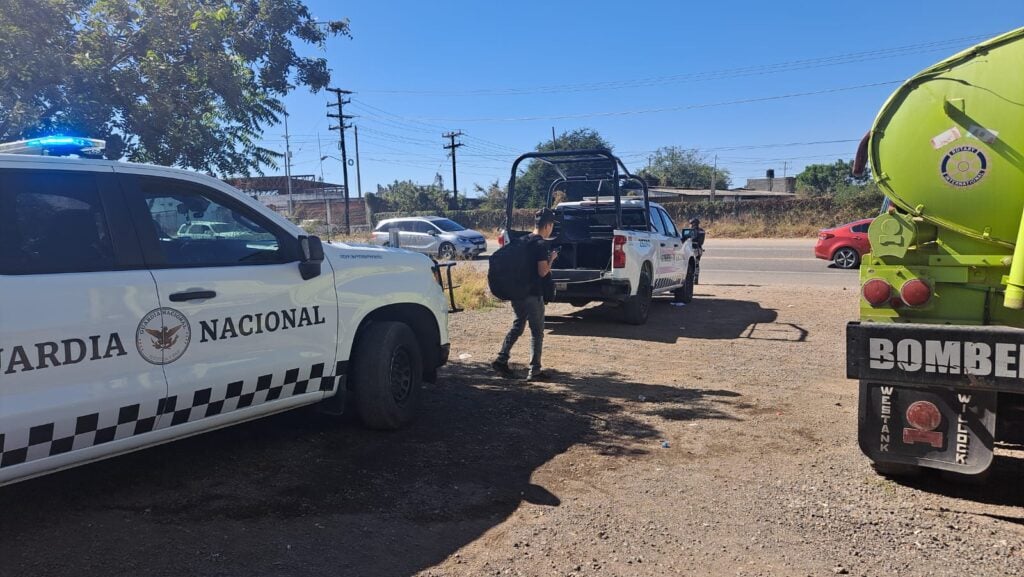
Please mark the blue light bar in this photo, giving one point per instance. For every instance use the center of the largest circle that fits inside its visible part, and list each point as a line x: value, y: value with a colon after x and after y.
x: 48, y: 141
x: 55, y: 146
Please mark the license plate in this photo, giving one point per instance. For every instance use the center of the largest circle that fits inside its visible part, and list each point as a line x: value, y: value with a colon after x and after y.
x: 561, y: 286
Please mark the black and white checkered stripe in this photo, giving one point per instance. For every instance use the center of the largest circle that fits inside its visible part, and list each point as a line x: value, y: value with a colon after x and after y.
x: 56, y: 438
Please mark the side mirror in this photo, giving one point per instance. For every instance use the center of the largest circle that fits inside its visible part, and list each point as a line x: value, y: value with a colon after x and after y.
x: 433, y: 232
x: 312, y: 256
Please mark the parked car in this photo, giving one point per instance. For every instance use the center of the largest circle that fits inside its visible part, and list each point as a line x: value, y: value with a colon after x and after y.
x: 844, y: 245
x: 433, y: 235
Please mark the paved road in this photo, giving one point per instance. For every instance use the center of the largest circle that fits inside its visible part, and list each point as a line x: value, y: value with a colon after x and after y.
x: 769, y: 262
x: 765, y: 262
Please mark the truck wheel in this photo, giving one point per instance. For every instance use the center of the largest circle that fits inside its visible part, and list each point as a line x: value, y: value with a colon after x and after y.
x: 896, y: 469
x: 446, y: 251
x: 637, y: 307
x: 846, y: 257
x: 684, y: 294
x: 387, y: 368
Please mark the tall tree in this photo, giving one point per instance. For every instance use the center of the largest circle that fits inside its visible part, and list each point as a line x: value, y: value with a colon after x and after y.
x: 407, y: 196
x: 684, y: 168
x: 191, y: 83
x: 820, y: 179
x: 532, y: 186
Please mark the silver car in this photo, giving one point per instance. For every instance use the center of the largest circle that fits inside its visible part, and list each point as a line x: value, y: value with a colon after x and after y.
x: 433, y: 235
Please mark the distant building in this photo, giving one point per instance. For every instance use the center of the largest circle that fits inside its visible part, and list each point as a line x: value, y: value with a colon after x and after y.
x: 311, y: 199
x: 784, y: 184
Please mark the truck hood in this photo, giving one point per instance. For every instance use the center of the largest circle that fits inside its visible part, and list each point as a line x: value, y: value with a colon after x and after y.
x: 371, y: 252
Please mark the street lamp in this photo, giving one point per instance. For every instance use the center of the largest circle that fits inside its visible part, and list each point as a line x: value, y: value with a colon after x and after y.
x: 327, y: 202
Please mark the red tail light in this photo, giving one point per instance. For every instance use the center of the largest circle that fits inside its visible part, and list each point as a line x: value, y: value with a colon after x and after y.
x: 924, y: 417
x: 876, y: 291
x: 915, y: 292
x: 501, y: 238
x: 618, y: 252
x: 825, y: 235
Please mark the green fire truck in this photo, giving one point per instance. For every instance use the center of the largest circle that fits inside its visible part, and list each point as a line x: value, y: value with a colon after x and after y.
x: 939, y: 347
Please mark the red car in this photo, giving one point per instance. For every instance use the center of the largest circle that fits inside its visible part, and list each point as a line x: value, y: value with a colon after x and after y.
x: 844, y: 245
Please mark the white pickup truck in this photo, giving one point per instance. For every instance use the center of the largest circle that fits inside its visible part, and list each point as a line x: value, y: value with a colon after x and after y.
x: 599, y: 260
x: 610, y: 247
x: 121, y: 331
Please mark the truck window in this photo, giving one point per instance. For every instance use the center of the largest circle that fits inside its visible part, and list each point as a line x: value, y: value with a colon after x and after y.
x: 656, y: 222
x: 52, y: 223
x: 172, y: 205
x: 670, y: 227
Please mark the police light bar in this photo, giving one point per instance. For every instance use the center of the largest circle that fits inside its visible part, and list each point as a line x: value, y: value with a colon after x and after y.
x: 56, y: 146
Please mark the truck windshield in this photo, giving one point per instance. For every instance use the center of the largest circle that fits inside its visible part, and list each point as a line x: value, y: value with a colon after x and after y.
x: 631, y: 218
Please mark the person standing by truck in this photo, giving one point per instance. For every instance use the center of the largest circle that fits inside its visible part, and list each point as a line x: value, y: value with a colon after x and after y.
x: 530, y: 309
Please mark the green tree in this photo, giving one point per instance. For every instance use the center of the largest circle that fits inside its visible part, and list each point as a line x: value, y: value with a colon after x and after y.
x: 172, y: 82
x: 532, y: 185
x: 407, y: 196
x: 494, y: 196
x: 684, y: 168
x: 819, y: 179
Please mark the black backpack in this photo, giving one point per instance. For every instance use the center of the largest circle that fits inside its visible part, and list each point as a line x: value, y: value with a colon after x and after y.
x: 510, y: 274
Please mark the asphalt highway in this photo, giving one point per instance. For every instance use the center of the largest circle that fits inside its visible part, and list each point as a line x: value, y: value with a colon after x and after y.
x: 769, y: 262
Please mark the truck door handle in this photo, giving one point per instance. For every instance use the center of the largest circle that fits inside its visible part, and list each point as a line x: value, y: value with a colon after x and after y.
x: 192, y: 296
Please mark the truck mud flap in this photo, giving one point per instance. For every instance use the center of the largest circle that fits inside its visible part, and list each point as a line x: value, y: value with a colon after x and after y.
x: 938, y: 428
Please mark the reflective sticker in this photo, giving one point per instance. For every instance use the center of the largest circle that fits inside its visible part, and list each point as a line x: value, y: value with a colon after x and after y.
x: 947, y: 137
x: 964, y: 166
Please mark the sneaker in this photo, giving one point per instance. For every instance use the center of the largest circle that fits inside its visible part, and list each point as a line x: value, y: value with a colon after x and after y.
x: 537, y: 375
x: 502, y: 369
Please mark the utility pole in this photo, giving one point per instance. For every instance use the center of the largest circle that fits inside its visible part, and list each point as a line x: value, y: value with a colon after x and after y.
x: 359, y: 178
x: 288, y: 167
x: 554, y: 141
x: 714, y: 177
x: 342, y: 117
x: 785, y: 164
x: 455, y: 183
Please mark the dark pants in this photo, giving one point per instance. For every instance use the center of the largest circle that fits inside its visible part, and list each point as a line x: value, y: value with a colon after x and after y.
x: 529, y: 310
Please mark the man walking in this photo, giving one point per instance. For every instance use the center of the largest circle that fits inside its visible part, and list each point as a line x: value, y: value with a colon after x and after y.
x: 530, y: 310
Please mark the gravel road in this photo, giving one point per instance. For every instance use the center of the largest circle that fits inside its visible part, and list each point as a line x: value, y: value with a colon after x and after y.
x: 717, y: 440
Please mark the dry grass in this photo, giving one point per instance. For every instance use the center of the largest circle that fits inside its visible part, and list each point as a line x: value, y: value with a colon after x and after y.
x: 753, y: 227
x: 472, y: 292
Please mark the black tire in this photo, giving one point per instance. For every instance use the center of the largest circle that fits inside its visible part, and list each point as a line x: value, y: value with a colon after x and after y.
x: 638, y: 307
x: 446, y: 251
x: 684, y: 294
x: 579, y: 302
x: 896, y: 470
x: 846, y: 258
x: 387, y: 370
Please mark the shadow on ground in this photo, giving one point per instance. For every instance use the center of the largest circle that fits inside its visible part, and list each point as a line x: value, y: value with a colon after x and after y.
x: 1001, y: 485
x: 703, y: 318
x: 302, y: 494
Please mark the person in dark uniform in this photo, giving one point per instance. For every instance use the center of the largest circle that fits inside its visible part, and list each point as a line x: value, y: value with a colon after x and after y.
x: 530, y: 310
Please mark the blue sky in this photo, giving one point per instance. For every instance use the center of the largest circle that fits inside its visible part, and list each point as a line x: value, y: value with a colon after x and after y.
x: 644, y: 74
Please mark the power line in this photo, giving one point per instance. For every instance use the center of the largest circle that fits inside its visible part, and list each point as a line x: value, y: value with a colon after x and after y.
x: 721, y: 74
x: 671, y: 108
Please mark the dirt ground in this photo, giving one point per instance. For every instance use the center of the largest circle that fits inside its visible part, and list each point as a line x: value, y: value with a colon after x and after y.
x: 720, y: 439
